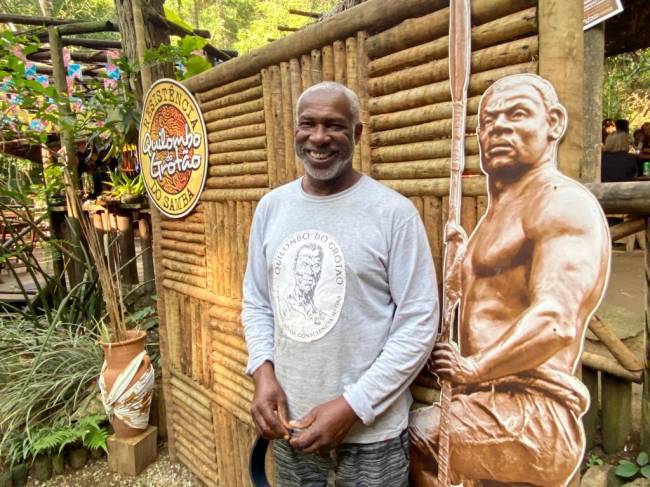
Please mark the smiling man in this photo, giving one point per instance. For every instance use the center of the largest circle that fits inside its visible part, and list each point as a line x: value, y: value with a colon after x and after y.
x: 340, y: 309
x: 534, y: 271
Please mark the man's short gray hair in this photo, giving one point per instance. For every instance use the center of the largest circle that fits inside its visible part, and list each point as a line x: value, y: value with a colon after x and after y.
x: 333, y: 87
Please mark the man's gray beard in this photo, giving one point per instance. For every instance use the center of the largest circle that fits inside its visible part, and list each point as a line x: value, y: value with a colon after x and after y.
x: 331, y: 172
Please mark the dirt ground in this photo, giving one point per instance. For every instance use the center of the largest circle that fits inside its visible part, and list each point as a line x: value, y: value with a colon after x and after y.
x: 162, y: 473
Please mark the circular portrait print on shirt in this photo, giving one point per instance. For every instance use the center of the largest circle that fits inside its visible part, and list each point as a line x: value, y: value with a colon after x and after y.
x: 308, y: 285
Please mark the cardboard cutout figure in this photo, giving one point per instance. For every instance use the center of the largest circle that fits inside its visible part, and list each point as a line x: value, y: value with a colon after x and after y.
x: 534, y: 270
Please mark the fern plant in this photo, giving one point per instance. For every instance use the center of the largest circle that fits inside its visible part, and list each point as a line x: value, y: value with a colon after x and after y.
x: 87, y: 432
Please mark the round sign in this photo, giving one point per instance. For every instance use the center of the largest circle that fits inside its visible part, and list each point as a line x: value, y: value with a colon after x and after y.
x: 172, y: 148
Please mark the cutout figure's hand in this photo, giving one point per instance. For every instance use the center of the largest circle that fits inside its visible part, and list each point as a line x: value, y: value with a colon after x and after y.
x: 269, y: 406
x: 324, y: 427
x: 449, y: 364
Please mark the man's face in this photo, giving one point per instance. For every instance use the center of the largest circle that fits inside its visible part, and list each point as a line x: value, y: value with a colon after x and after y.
x: 308, y: 269
x: 515, y: 129
x: 325, y: 134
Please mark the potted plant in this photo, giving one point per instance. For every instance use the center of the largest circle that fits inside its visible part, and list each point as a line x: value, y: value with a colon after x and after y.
x: 126, y: 189
x: 126, y: 380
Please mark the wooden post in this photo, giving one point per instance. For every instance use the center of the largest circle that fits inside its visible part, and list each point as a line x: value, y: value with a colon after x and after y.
x: 144, y: 232
x: 645, y: 397
x: 592, y: 98
x: 590, y: 419
x: 71, y: 162
x: 617, y: 412
x: 126, y: 246
x: 561, y: 62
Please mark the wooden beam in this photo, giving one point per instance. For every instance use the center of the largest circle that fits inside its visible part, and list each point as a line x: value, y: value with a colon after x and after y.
x: 627, y: 228
x: 303, y: 13
x: 34, y: 20
x: 629, y: 197
x: 153, y: 16
x: 91, y: 43
x: 561, y: 63
x: 645, y: 395
x: 373, y: 15
x: 592, y: 103
x: 88, y: 27
x: 286, y: 28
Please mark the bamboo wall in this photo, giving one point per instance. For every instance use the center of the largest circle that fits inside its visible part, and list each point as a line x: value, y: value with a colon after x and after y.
x: 401, y: 75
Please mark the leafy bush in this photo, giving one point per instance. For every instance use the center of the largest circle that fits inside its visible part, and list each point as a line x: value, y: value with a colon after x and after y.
x: 638, y: 469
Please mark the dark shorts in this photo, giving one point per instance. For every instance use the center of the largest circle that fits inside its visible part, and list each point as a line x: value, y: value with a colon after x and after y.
x: 380, y: 464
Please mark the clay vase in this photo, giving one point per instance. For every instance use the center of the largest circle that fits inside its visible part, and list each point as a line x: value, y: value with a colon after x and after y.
x: 118, y: 355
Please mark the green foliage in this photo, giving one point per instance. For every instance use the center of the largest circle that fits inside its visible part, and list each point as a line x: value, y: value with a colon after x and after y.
x: 626, y: 87
x: 185, y: 52
x: 123, y: 185
x: 87, y: 432
x: 638, y: 469
x: 594, y: 460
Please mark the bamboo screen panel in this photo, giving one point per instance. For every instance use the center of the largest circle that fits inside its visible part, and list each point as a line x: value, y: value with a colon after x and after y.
x: 401, y: 76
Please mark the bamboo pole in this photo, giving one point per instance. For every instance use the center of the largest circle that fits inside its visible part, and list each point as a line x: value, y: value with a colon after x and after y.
x: 197, y: 341
x: 645, y: 394
x: 230, y: 352
x: 230, y: 88
x: 251, y: 94
x: 239, y: 379
x: 362, y: 81
x: 338, y: 50
x: 612, y: 367
x: 296, y: 90
x: 191, y: 425
x: 240, y: 230
x: 287, y: 122
x: 439, y: 92
x: 183, y: 236
x: 206, y: 477
x: 226, y: 256
x: 255, y: 155
x: 234, y: 194
x: 415, y: 116
x: 234, y: 122
x: 219, y: 242
x: 472, y: 186
x: 245, y: 181
x: 515, y: 52
x: 245, y: 394
x: 198, y: 293
x: 233, y: 110
x: 373, y: 14
x: 240, y: 169
x: 229, y: 326
x: 328, y: 63
x: 191, y: 248
x: 561, y: 59
x: 306, y: 71
x: 429, y: 168
x: 421, y: 132
x: 420, y: 150
x: 183, y: 226
x: 351, y: 75
x: 515, y: 25
x: 197, y: 449
x: 183, y: 257
x: 224, y: 313
x: 270, y: 140
x: 278, y: 124
x: 196, y: 422
x: 614, y: 344
x: 243, y: 132
x: 416, y: 31
x: 194, y: 270
x: 316, y: 73
x: 242, y: 415
x: 192, y: 389
x: 181, y: 396
x: 234, y: 341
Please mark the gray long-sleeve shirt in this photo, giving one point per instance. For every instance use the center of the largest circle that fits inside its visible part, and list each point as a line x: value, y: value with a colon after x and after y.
x: 340, y: 294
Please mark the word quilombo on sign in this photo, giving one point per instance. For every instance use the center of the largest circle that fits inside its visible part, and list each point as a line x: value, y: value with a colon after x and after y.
x: 172, y: 148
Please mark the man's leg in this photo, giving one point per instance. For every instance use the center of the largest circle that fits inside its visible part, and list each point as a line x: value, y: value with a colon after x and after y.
x: 294, y: 468
x: 380, y: 464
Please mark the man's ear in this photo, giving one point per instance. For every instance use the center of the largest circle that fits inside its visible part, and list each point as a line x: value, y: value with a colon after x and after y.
x: 557, y: 120
x: 358, y: 128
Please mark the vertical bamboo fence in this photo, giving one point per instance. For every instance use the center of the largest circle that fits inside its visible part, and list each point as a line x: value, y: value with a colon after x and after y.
x: 394, y: 54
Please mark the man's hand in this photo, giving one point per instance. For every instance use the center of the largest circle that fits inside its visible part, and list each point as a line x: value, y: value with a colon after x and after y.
x: 448, y: 364
x: 325, y: 427
x: 269, y: 407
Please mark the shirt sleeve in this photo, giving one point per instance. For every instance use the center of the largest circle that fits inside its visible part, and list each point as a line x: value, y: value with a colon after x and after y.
x: 257, y: 313
x: 412, y: 282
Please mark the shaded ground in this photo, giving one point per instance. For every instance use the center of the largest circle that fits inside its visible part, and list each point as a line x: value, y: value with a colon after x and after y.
x: 161, y: 473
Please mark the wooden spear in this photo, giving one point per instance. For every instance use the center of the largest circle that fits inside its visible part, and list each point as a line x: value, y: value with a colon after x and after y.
x: 459, y: 67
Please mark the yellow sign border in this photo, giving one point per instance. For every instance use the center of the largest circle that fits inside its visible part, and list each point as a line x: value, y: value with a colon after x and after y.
x: 205, y: 152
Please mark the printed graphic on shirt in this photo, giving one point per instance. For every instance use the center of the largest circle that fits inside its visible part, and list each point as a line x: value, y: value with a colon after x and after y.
x: 308, y: 285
